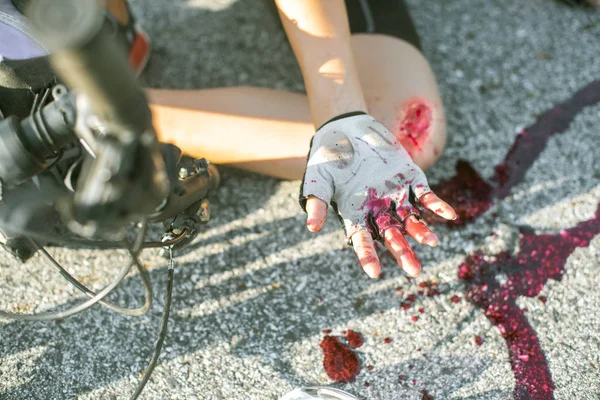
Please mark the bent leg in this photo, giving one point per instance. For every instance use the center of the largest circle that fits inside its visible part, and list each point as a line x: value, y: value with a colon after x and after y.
x: 269, y: 131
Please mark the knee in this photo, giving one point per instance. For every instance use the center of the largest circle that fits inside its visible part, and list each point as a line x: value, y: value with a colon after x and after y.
x: 401, y: 91
x: 420, y: 125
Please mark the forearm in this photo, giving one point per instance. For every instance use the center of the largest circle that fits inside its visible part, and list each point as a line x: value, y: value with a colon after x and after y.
x: 320, y: 37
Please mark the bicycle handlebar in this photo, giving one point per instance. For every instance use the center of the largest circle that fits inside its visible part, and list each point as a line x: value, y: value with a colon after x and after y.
x: 88, y: 60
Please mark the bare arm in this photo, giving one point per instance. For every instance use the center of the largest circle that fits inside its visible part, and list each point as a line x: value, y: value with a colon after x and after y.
x: 320, y: 36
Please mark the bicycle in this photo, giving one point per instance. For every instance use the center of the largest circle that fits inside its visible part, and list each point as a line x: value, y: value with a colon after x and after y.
x: 88, y: 155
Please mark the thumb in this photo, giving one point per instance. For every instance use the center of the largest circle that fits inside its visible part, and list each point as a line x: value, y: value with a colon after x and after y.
x: 317, y: 213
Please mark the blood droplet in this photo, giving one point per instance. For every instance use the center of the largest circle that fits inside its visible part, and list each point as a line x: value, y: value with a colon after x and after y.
x: 355, y: 339
x: 425, y: 395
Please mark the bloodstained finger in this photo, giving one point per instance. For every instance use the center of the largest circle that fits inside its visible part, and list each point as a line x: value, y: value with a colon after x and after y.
x: 317, y: 213
x: 419, y: 231
x: 367, y: 255
x: 400, y: 249
x: 438, y: 206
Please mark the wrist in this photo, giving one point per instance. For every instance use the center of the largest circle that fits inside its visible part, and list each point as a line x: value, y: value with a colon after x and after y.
x: 342, y: 116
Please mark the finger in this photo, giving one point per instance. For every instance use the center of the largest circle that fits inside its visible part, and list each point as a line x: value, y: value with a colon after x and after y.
x: 419, y: 231
x: 419, y: 183
x: 317, y: 213
x: 398, y: 246
x: 438, y: 206
x: 367, y: 255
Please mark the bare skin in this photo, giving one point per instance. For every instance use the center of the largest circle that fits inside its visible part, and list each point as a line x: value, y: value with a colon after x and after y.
x: 269, y: 131
x: 275, y: 127
x: 320, y: 37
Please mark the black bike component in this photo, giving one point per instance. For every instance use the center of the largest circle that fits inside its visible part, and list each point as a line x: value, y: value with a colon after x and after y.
x: 26, y: 146
x: 87, y: 59
x: 162, y: 330
x: 95, y: 298
x: 197, y: 180
x: 127, y: 179
x: 130, y: 312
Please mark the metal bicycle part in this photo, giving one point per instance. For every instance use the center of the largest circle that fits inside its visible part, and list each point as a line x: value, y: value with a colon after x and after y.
x: 126, y: 179
x: 126, y: 175
x: 94, y: 298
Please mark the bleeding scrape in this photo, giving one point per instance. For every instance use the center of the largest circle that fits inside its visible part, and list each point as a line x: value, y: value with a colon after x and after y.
x: 414, y: 125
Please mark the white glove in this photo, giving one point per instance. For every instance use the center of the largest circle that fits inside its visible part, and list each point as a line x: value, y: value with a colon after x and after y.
x: 358, y: 166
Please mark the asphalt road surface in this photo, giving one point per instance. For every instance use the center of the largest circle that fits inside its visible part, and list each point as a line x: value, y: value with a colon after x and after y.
x: 508, y: 303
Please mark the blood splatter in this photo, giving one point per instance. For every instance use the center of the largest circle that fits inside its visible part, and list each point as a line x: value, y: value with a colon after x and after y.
x: 387, y: 340
x: 425, y: 395
x: 478, y: 340
x: 543, y: 299
x: 355, y: 339
x: 471, y: 196
x: 370, y: 367
x: 455, y: 299
x: 421, y: 310
x: 340, y: 362
x: 415, y: 318
x: 466, y: 192
x: 327, y: 331
x: 540, y: 258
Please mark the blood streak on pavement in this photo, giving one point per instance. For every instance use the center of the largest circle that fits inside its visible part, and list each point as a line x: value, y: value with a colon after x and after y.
x: 540, y: 258
x: 471, y: 195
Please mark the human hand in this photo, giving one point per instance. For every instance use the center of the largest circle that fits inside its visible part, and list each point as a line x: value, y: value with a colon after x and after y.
x: 359, y: 166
